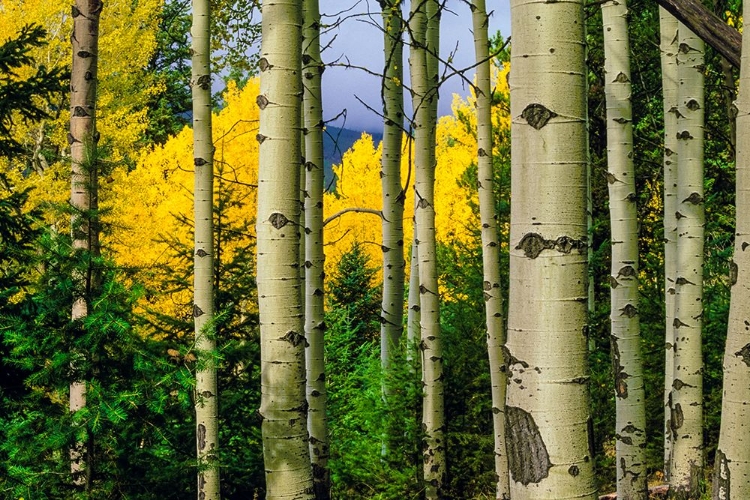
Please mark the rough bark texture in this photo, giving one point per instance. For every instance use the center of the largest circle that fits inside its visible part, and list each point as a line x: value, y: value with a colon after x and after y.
x: 423, y: 65
x: 546, y: 347
x: 392, y: 314
x: 669, y: 46
x: 723, y: 38
x: 493, y: 296
x: 687, y: 382
x: 84, y: 190
x: 312, y: 71
x: 732, y: 465
x: 283, y: 405
x: 413, y: 317
x: 626, y: 353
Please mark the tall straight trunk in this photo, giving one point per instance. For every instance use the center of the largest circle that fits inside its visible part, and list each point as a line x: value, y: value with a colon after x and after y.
x: 413, y: 317
x: 314, y: 258
x: 669, y: 45
x: 392, y: 315
x: 206, y: 387
x: 424, y: 78
x: 283, y: 404
x: 687, y: 383
x: 547, y: 413
x: 732, y: 466
x: 626, y: 352
x: 493, y: 293
x: 83, y: 194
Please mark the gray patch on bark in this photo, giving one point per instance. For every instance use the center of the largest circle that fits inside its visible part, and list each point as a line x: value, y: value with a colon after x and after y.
x: 676, y: 418
x: 199, y: 162
x: 629, y: 311
x: 733, y: 272
x: 532, y: 245
x: 294, y: 338
x: 744, y: 353
x: 84, y: 54
x: 197, y: 311
x: 683, y: 281
x: 80, y: 111
x: 573, y: 470
x: 201, y: 437
x: 626, y: 271
x: 278, y: 220
x: 260, y: 138
x: 528, y: 459
x: 621, y: 78
x: 611, y: 179
x: 678, y: 323
x: 201, y: 253
x: 721, y: 486
x: 537, y: 115
x: 621, y: 384
x: 693, y: 105
x: 694, y: 198
x: 204, y: 82
x: 263, y: 64
x: 613, y: 283
x: 684, y: 135
x: 261, y: 101
x: 621, y: 121
x: 509, y: 359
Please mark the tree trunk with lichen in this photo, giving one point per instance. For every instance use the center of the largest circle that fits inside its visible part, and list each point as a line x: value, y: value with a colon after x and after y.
x: 493, y: 296
x: 314, y: 260
x: 625, y: 330
x: 83, y: 139
x: 283, y: 406
x: 423, y: 66
x: 686, y: 411
x: 669, y: 46
x: 732, y: 465
x: 547, y: 413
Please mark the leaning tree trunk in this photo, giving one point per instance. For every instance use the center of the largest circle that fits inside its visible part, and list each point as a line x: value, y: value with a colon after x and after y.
x: 669, y: 45
x: 493, y: 292
x: 206, y: 387
x: 625, y: 330
x: 423, y: 92
x: 732, y: 466
x: 83, y: 196
x: 314, y: 258
x: 687, y: 383
x: 547, y: 411
x: 283, y: 406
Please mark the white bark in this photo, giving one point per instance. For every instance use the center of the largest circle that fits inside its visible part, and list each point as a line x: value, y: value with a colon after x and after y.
x: 283, y: 403
x: 547, y: 402
x: 631, y: 410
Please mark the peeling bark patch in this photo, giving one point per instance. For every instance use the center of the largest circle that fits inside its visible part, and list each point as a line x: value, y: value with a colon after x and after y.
x: 721, y: 486
x: 676, y: 418
x: 201, y: 437
x: 527, y: 454
x: 532, y: 245
x: 744, y: 353
x: 733, y: 271
x: 278, y: 220
x: 537, y: 115
x: 293, y: 338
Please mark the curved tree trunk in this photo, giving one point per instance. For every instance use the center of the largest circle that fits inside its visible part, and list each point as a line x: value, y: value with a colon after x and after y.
x: 626, y: 352
x: 493, y: 293
x: 732, y: 466
x: 687, y: 384
x: 314, y: 257
x: 84, y: 193
x: 669, y: 46
x: 283, y: 404
x: 547, y: 413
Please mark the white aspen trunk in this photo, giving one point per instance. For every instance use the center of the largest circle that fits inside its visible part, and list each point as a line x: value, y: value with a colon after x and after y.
x: 392, y: 314
x: 669, y: 46
x: 206, y: 386
x: 625, y: 330
x: 423, y: 80
x: 283, y: 404
x: 314, y: 260
x: 493, y: 293
x: 547, y: 413
x: 687, y: 384
x: 83, y: 138
x: 413, y: 317
x: 732, y: 465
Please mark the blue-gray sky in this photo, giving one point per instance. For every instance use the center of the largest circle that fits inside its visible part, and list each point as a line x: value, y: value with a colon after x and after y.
x: 358, y: 39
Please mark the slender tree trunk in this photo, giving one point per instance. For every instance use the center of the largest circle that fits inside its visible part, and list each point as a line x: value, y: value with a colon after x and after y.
x: 687, y: 384
x: 283, y: 404
x: 669, y: 47
x: 413, y: 318
x: 626, y: 352
x: 392, y: 315
x: 206, y: 387
x: 83, y: 196
x: 547, y: 416
x: 493, y: 293
x: 314, y: 258
x: 732, y: 465
x: 423, y: 15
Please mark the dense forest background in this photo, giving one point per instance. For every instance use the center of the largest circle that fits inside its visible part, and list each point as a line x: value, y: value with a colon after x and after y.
x: 138, y: 332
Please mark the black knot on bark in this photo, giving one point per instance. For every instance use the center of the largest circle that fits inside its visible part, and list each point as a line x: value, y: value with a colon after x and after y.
x: 537, y: 115
x: 278, y: 220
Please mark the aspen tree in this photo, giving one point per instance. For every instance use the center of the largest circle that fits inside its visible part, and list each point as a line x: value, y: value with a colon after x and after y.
x: 493, y: 297
x: 312, y: 71
x: 547, y: 411
x: 283, y: 404
x: 686, y: 417
x: 669, y: 46
x: 83, y: 138
x: 625, y: 330
x: 206, y: 387
x: 423, y: 67
x: 732, y: 465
